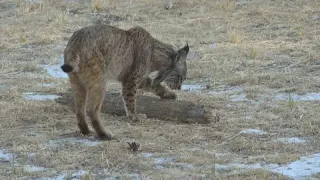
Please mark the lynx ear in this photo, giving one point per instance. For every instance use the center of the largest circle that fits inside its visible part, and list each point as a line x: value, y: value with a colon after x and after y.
x: 184, y: 51
x: 186, y: 48
x: 181, y: 55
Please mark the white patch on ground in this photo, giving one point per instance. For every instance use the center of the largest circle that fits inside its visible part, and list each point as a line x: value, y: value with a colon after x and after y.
x: 234, y: 93
x: 226, y: 89
x: 47, y: 85
x: 87, y: 142
x: 32, y: 133
x: 214, y: 45
x: 298, y: 170
x: 239, y: 97
x: 31, y: 155
x: 3, y: 86
x: 301, y: 169
x: 116, y: 175
x: 193, y: 87
x: 39, y: 97
x: 5, y: 156
x: 295, y: 97
x: 221, y: 154
x: 31, y: 168
x: 63, y: 176
x: 147, y: 155
x: 253, y: 131
x: 292, y: 140
x: 55, y: 70
x: 220, y: 167
x: 163, y: 160
x: 34, y: 1
x: 223, y: 90
x: 160, y: 162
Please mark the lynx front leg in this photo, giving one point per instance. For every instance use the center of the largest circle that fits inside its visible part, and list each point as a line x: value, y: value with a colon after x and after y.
x: 129, y: 95
x: 157, y: 89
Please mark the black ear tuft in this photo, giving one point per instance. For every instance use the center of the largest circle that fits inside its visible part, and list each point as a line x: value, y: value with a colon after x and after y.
x: 186, y: 48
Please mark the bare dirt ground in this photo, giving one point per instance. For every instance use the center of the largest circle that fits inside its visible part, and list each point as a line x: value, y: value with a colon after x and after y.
x: 254, y: 65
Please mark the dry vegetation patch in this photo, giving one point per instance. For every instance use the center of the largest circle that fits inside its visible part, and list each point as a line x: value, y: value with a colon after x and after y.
x: 250, y: 55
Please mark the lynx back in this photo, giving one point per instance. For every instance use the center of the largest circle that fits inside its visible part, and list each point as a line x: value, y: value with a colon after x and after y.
x: 98, y: 53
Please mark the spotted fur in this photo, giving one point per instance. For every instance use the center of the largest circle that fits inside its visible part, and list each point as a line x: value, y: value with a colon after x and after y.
x: 97, y: 53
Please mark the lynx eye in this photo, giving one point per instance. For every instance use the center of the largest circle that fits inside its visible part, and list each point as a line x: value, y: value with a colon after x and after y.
x: 180, y: 79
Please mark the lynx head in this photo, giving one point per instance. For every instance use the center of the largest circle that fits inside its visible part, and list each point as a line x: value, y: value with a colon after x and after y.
x: 175, y: 71
x: 179, y: 73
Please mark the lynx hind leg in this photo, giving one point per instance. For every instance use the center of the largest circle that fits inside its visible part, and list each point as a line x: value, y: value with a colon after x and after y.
x: 80, y: 100
x: 96, y: 97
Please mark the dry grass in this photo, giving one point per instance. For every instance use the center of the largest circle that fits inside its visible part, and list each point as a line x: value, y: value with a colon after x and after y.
x: 263, y: 46
x: 97, y: 5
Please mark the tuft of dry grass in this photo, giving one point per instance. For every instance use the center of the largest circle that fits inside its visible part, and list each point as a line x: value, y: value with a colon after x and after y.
x: 30, y: 7
x: 29, y: 67
x: 234, y: 36
x: 252, y: 52
x: 225, y: 5
x: 266, y: 50
x: 97, y: 5
x: 61, y: 16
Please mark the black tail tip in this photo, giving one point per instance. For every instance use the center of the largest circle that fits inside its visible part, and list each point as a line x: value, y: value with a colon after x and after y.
x: 66, y: 68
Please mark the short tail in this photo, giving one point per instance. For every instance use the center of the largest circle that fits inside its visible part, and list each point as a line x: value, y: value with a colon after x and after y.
x: 66, y: 68
x: 71, y: 63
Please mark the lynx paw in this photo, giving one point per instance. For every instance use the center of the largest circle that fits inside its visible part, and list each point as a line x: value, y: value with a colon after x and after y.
x: 79, y: 133
x: 107, y: 135
x: 84, y: 129
x: 169, y: 95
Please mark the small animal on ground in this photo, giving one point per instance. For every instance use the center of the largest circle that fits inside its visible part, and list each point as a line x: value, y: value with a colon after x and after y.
x: 98, y: 53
